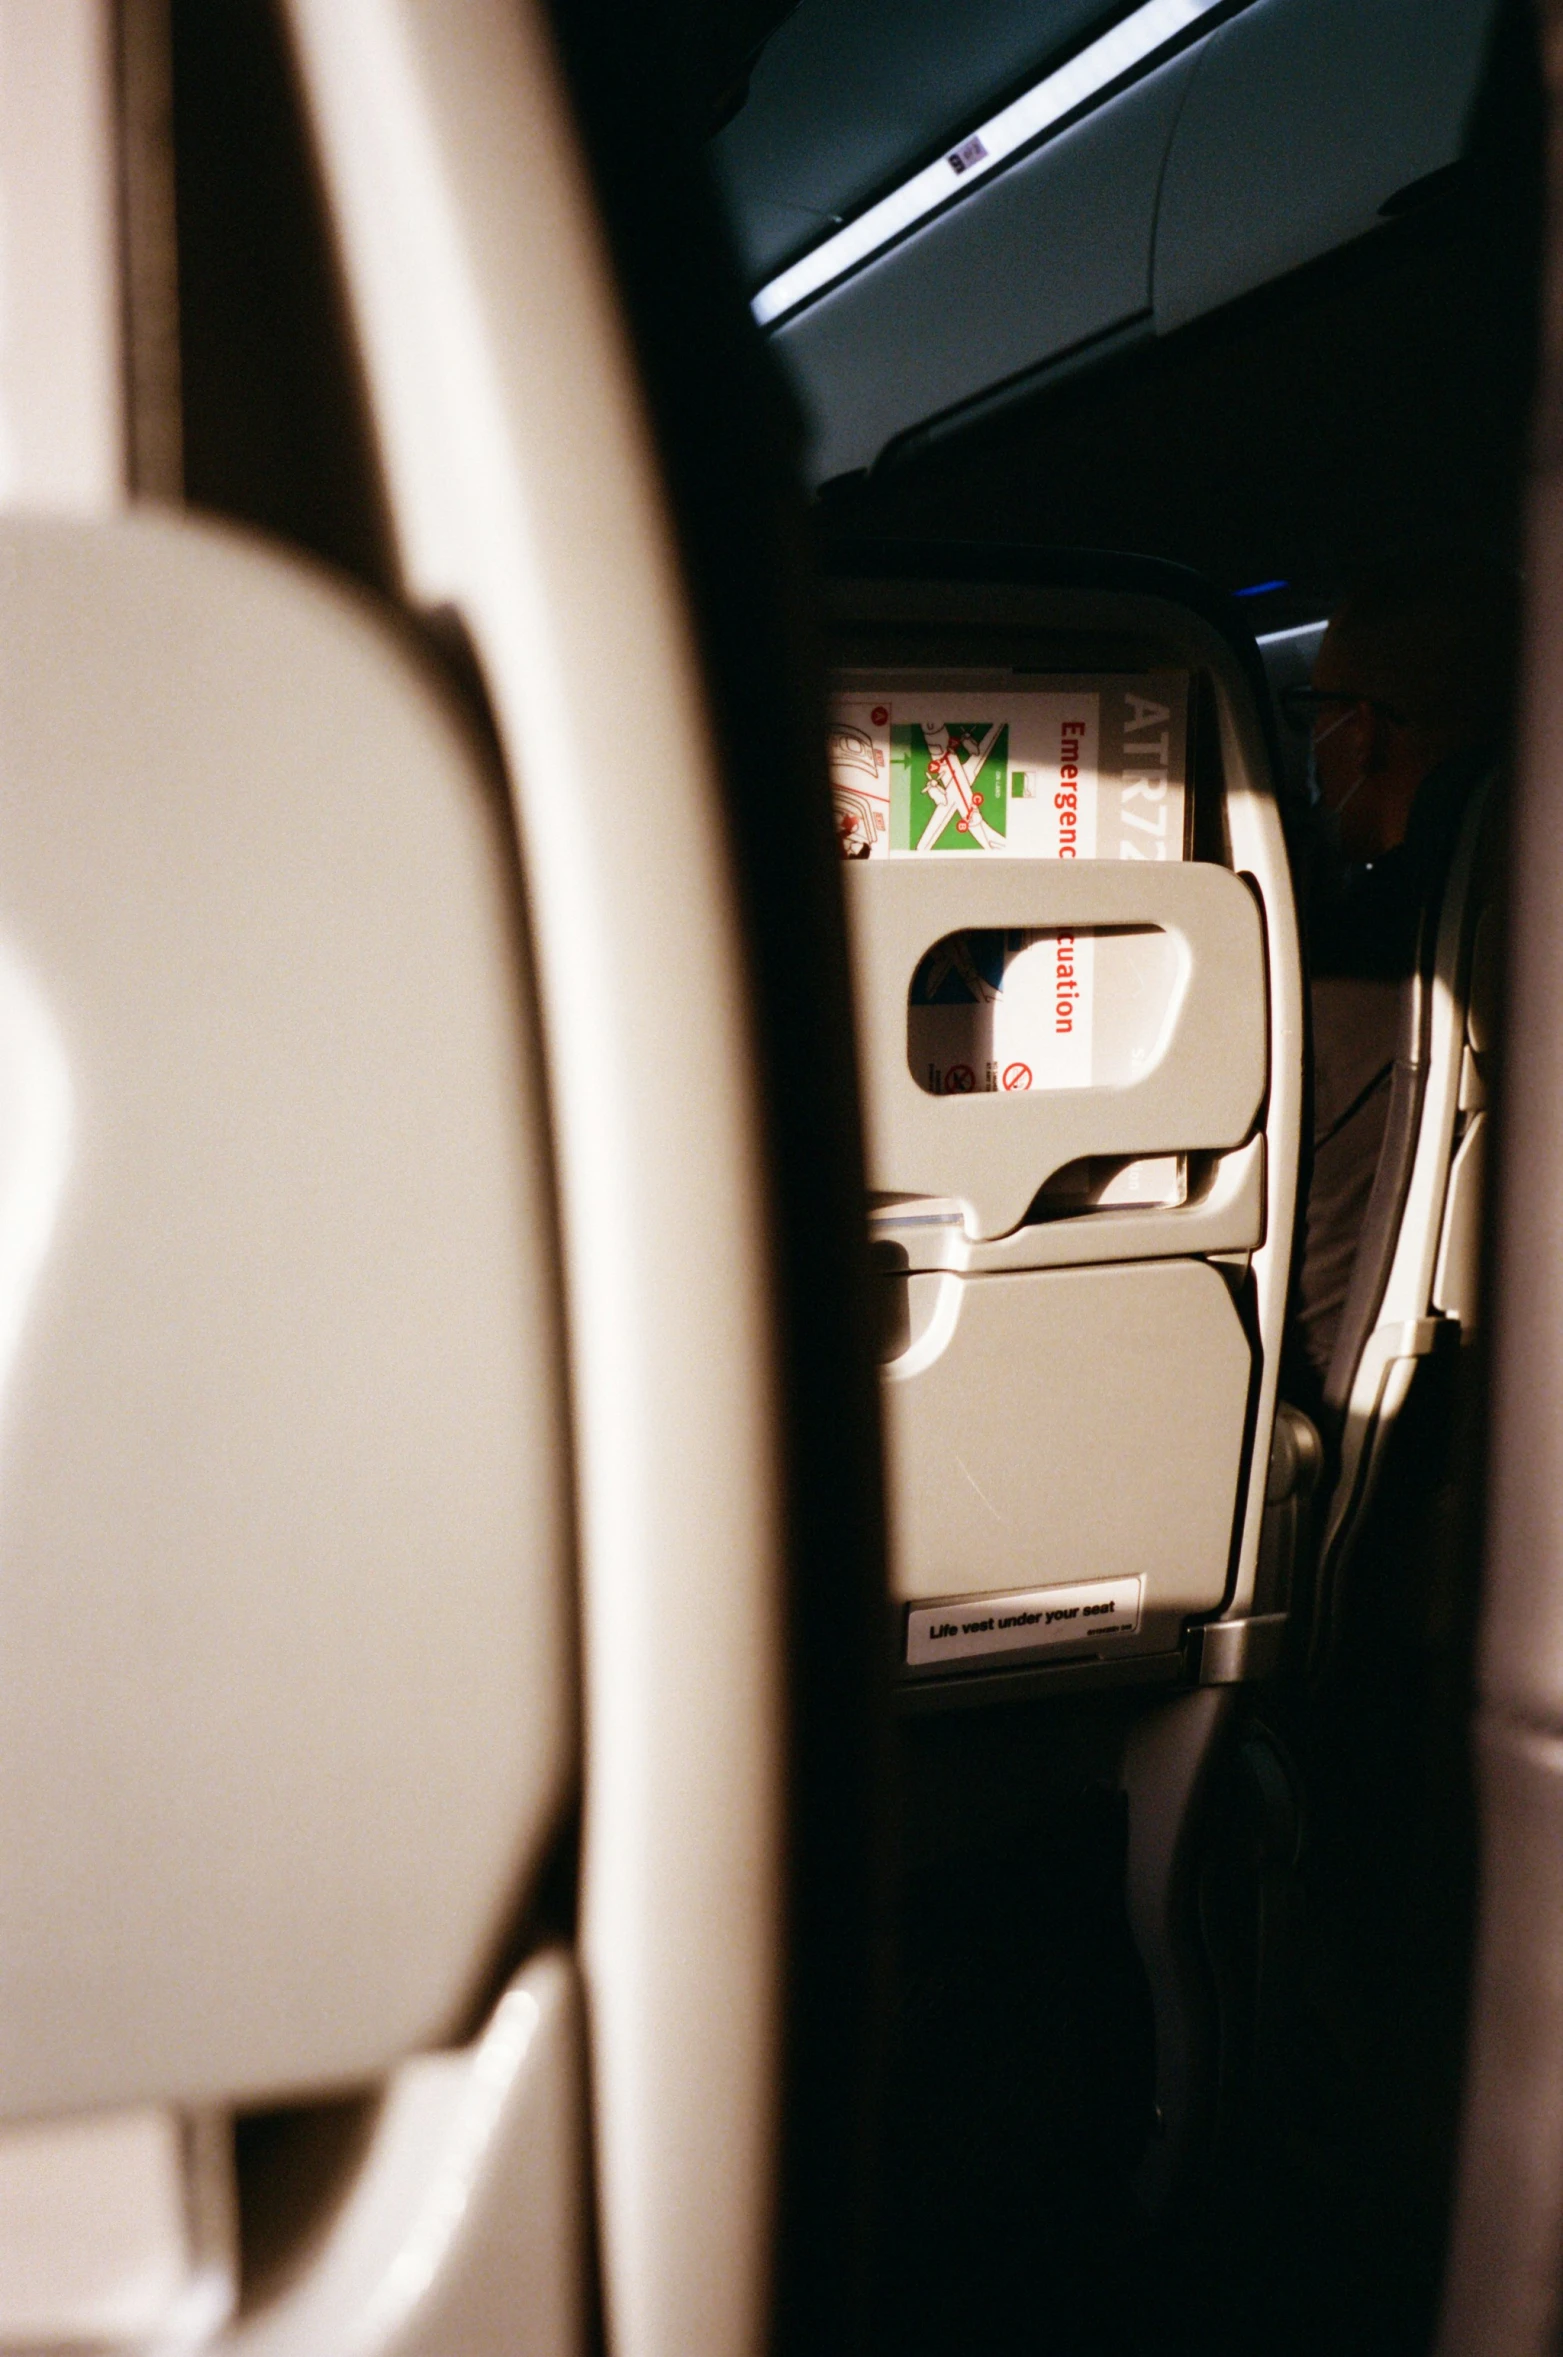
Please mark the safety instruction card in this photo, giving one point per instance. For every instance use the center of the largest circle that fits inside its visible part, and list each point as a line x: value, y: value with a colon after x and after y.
x: 1094, y: 768
x: 1078, y: 769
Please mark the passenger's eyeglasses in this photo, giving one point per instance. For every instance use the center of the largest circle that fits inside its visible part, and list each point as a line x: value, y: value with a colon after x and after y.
x: 1303, y: 704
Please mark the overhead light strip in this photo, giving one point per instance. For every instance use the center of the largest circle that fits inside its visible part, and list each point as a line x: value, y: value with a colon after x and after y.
x: 1105, y: 60
x: 1281, y: 638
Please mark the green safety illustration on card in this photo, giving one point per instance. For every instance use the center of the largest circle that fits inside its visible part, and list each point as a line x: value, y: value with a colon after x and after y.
x: 948, y: 785
x: 1077, y: 768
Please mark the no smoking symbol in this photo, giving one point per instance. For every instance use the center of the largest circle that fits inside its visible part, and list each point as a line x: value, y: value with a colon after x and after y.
x: 1017, y: 1076
x: 960, y: 1080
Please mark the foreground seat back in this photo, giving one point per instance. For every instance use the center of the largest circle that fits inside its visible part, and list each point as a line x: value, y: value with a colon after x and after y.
x: 284, y: 1469
x: 402, y: 1497
x: 1080, y: 1018
x: 1084, y: 1215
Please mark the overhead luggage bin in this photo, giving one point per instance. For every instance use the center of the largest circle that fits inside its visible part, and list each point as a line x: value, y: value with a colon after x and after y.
x: 1307, y: 124
x: 1079, y: 1004
x: 1052, y: 256
x: 1161, y: 166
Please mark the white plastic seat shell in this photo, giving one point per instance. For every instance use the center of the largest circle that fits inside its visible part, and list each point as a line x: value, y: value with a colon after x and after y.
x: 286, y: 1703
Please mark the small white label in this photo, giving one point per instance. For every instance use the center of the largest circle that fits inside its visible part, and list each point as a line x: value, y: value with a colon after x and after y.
x: 1035, y: 1621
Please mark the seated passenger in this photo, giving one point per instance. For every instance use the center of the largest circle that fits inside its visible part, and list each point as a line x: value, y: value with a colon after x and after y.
x: 1408, y: 703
